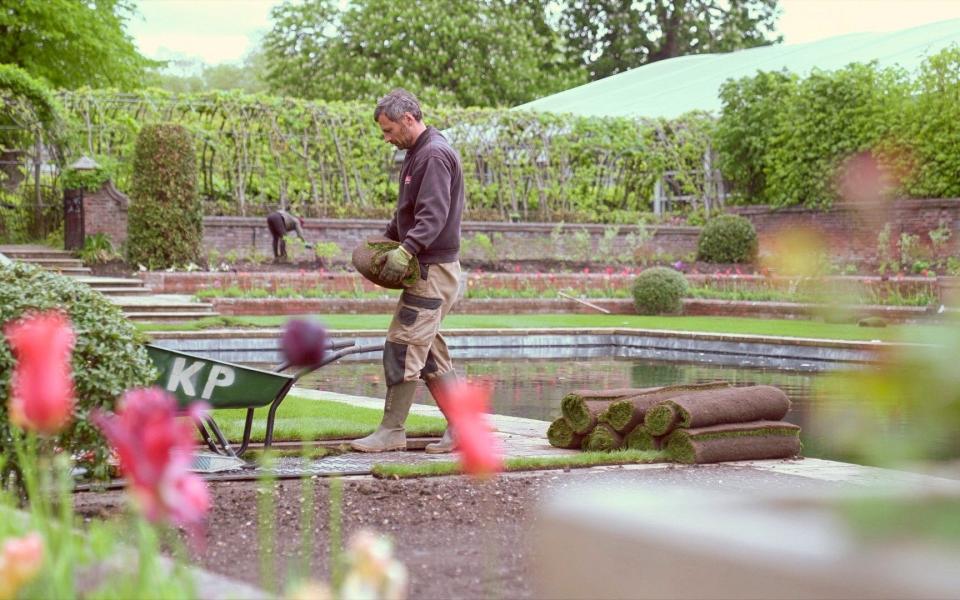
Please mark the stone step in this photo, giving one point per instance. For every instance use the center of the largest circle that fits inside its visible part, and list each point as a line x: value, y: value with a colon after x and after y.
x: 113, y: 282
x: 69, y: 271
x: 147, y: 304
x: 29, y: 253
x: 122, y: 290
x: 55, y: 263
x: 167, y: 316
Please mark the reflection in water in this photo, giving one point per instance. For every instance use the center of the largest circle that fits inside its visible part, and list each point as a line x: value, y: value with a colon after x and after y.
x: 533, y: 389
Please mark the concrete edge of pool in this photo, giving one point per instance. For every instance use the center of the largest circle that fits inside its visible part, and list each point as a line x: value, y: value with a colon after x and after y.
x: 809, y: 354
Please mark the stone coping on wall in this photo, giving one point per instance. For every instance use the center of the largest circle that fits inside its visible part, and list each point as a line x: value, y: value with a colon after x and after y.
x: 468, y: 226
x: 273, y: 333
x: 616, y: 306
x: 190, y: 282
x: 864, y: 207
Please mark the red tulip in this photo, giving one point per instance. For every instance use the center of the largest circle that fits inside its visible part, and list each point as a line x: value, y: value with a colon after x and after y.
x: 42, y: 388
x: 467, y: 405
x: 303, y: 342
x: 155, y: 450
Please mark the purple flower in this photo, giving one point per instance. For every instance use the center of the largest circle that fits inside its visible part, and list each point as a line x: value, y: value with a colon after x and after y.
x: 303, y: 342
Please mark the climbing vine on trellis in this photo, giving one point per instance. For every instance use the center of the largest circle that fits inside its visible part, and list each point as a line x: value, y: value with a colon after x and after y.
x: 328, y: 159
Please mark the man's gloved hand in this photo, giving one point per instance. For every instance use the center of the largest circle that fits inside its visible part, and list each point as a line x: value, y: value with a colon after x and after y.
x: 395, y: 264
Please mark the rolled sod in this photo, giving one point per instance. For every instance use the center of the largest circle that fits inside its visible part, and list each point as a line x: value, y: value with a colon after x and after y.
x: 625, y: 414
x: 734, y: 441
x: 367, y: 260
x: 704, y: 408
x: 640, y: 439
x: 561, y: 435
x: 602, y: 438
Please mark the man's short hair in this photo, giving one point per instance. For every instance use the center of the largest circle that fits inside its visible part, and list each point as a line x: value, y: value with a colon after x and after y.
x: 397, y: 102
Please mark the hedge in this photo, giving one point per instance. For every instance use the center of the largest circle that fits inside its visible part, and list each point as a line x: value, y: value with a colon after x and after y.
x: 166, y: 217
x: 108, y: 357
x: 781, y: 138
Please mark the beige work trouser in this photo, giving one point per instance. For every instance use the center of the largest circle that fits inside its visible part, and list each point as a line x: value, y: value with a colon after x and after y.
x: 414, y: 348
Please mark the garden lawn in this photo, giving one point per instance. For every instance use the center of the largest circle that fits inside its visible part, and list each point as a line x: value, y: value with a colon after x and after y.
x: 306, y: 419
x: 735, y: 325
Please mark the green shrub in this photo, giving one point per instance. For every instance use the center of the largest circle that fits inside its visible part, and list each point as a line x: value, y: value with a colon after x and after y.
x: 97, y: 249
x: 659, y: 290
x: 166, y: 217
x: 727, y: 239
x: 108, y: 357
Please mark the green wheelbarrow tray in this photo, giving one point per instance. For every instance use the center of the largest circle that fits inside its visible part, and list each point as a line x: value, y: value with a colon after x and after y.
x: 191, y: 378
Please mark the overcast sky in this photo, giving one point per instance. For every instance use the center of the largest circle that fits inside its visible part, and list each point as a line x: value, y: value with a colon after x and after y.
x: 224, y: 30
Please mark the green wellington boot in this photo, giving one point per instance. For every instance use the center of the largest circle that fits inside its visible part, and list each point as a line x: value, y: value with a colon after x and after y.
x: 437, y: 386
x: 390, y: 435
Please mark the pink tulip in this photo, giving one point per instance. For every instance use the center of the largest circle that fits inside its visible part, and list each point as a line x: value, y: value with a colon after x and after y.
x: 20, y: 562
x: 466, y: 406
x: 42, y: 392
x: 155, y: 450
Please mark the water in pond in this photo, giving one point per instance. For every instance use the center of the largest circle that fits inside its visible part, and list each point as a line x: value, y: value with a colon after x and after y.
x: 533, y: 388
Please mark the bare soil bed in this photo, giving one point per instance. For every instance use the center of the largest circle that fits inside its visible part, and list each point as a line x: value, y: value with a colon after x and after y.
x: 459, y: 538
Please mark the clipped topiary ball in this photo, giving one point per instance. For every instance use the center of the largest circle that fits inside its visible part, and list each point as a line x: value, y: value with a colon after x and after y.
x: 659, y: 290
x: 727, y: 239
x: 108, y: 356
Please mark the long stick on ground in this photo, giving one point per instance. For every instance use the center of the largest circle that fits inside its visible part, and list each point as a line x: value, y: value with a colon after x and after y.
x: 584, y: 302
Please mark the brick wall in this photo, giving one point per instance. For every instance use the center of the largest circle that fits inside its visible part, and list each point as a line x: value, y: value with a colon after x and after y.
x: 105, y: 211
x: 508, y: 241
x: 851, y: 230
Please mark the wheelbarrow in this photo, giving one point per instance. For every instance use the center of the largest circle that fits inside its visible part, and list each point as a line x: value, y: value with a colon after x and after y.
x: 191, y: 378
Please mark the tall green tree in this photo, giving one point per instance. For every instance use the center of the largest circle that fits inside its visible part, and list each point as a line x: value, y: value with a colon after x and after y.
x: 610, y: 36
x: 470, y: 52
x: 72, y: 43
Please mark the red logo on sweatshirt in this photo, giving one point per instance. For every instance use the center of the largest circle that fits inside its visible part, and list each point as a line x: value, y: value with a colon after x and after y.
x: 407, y: 179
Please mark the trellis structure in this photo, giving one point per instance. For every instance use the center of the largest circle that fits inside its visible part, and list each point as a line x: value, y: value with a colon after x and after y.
x: 329, y: 159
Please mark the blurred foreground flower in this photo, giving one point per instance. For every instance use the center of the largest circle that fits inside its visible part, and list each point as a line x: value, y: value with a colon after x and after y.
x: 310, y: 589
x: 155, y: 450
x: 20, y: 562
x: 303, y: 342
x: 42, y: 391
x: 373, y: 573
x: 467, y: 408
x: 795, y: 252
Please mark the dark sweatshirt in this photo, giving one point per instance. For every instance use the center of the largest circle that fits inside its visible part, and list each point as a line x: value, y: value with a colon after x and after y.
x: 430, y: 204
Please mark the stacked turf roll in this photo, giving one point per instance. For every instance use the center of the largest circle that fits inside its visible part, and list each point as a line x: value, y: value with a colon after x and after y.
x: 699, y: 423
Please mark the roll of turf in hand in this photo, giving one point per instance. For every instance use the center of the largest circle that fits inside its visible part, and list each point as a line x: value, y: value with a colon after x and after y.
x: 368, y: 260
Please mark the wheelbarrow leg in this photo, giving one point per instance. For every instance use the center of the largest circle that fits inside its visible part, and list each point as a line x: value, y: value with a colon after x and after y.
x: 227, y: 449
x: 206, y: 436
x: 247, y: 428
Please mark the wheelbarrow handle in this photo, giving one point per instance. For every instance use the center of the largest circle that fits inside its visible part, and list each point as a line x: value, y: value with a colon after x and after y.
x: 330, y: 345
x: 335, y: 356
